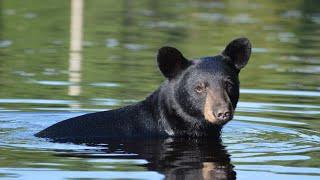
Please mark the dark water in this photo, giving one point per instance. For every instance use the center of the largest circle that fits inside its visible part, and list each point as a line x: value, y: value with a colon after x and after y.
x: 274, y: 135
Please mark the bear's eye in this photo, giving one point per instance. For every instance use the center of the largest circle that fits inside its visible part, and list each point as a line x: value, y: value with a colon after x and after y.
x: 200, y: 88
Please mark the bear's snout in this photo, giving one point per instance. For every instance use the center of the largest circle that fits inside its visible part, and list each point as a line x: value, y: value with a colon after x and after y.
x: 217, y: 108
x: 224, y: 114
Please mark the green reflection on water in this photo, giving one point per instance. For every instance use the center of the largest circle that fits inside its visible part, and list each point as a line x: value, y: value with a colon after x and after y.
x: 120, y: 42
x: 121, y: 39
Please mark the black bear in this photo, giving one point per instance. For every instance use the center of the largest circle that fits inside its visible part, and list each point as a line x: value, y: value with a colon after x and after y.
x: 197, y: 98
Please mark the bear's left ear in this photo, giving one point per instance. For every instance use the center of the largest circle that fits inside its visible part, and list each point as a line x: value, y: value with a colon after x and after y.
x: 239, y: 51
x: 171, y: 61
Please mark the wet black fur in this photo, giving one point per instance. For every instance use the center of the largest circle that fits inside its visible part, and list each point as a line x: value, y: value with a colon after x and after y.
x: 174, y: 109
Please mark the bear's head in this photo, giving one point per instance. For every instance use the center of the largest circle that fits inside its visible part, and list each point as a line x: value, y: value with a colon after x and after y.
x: 206, y: 89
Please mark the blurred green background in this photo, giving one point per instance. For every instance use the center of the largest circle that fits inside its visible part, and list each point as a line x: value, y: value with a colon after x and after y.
x: 277, y: 117
x: 121, y: 38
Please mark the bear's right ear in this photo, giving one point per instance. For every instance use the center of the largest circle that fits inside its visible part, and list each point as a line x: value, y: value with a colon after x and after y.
x: 171, y: 61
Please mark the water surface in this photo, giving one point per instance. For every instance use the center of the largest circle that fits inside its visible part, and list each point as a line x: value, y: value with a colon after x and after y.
x: 274, y: 135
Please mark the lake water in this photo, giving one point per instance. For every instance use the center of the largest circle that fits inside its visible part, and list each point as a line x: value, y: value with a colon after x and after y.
x: 274, y: 135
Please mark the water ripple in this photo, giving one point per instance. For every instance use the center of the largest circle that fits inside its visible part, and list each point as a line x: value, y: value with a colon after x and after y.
x: 280, y: 92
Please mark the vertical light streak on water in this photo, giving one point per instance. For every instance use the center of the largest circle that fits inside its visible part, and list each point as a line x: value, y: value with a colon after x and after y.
x: 75, y: 55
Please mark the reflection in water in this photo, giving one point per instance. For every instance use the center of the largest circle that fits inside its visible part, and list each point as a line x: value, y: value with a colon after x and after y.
x: 274, y: 135
x: 176, y: 158
x: 1, y: 21
x: 75, y: 47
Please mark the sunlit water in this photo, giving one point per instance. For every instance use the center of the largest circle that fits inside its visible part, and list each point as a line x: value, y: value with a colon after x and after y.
x: 274, y: 135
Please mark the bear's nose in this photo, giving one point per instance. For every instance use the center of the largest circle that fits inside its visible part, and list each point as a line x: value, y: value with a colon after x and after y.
x: 224, y: 115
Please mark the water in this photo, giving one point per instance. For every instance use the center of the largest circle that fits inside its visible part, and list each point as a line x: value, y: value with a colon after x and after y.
x: 274, y: 135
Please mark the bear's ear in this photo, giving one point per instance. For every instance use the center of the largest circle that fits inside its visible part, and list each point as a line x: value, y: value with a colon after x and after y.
x: 239, y: 51
x: 171, y: 61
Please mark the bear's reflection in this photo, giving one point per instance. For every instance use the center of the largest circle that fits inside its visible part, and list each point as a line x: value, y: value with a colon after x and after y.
x: 175, y: 158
